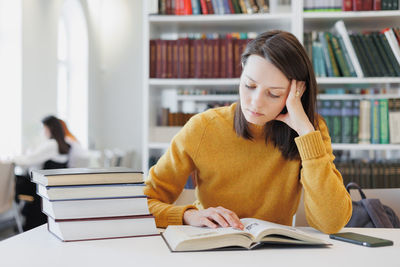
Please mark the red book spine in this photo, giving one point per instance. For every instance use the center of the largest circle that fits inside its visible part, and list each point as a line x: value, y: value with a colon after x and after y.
x: 377, y: 5
x: 367, y: 5
x: 210, y: 8
x: 159, y: 59
x: 229, y: 56
x: 191, y: 59
x: 187, y: 7
x: 175, y: 58
x: 203, y: 5
x: 180, y: 58
x: 231, y: 8
x: 186, y: 58
x: 198, y: 56
x: 169, y: 8
x: 223, y: 58
x: 163, y: 73
x: 153, y: 58
x: 347, y: 5
x: 216, y: 58
x: 236, y: 57
x: 205, y: 65
x: 210, y: 51
x: 357, y: 5
x: 169, y: 59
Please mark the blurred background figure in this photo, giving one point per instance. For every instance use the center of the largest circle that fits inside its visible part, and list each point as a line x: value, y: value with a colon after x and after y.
x: 53, y: 153
x: 78, y: 156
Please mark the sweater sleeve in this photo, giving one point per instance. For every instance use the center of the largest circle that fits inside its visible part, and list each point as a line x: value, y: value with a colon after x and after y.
x: 327, y: 204
x: 44, y: 152
x: 168, y: 177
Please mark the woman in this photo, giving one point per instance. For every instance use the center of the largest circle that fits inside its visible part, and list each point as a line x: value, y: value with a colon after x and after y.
x: 253, y: 158
x: 51, y: 154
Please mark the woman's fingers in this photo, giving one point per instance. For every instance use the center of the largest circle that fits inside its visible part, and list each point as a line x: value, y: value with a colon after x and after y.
x: 231, y: 218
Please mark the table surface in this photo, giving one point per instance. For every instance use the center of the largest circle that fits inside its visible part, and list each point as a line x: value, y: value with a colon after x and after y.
x: 38, y: 247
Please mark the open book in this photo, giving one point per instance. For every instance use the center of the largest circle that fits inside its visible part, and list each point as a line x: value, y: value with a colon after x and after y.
x: 256, y: 233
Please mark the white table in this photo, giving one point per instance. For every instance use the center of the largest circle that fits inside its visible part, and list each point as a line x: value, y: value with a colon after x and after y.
x: 40, y: 248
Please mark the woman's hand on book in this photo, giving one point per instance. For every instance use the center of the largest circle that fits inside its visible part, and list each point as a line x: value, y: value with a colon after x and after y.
x: 212, y: 217
x: 296, y: 117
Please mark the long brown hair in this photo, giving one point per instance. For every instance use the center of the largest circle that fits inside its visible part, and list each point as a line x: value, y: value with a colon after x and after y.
x: 57, y: 133
x: 285, y: 52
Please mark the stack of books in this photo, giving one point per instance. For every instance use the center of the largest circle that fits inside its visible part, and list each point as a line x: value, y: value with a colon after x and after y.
x: 88, y: 204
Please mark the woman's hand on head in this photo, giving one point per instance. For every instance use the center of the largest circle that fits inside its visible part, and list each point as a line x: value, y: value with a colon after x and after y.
x: 296, y: 117
x: 212, y: 217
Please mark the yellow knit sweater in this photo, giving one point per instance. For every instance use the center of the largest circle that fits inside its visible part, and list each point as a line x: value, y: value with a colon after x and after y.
x: 247, y: 176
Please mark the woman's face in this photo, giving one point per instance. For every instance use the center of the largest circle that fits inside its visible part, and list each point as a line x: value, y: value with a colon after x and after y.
x: 263, y: 90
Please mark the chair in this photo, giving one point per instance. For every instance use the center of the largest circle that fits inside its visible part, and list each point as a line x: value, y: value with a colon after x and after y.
x: 9, y: 209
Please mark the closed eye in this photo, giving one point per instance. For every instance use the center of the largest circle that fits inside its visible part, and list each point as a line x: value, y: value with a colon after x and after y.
x: 274, y: 96
x: 250, y: 86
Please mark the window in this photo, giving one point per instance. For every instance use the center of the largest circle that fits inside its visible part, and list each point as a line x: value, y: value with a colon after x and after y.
x: 72, y: 91
x: 10, y: 77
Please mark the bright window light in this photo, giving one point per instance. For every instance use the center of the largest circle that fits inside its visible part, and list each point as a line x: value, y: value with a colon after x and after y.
x: 72, y: 91
x: 10, y: 77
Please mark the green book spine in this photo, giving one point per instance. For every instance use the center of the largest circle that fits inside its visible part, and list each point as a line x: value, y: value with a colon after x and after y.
x: 334, y: 64
x: 383, y: 54
x: 378, y: 58
x: 367, y: 55
x: 360, y: 56
x: 376, y: 63
x: 344, y: 69
x: 346, y: 116
x: 389, y: 53
x: 384, y: 121
x: 375, y: 121
x: 346, y: 56
x: 355, y: 121
x: 325, y: 49
x: 336, y: 121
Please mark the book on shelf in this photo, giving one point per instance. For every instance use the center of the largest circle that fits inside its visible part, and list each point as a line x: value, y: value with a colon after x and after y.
x: 394, y: 120
x: 95, y: 207
x: 206, y: 7
x: 79, y: 176
x: 90, y: 191
x: 103, y: 228
x: 350, y: 5
x: 255, y: 234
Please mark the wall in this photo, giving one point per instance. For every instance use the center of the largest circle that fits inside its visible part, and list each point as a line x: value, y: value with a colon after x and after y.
x: 115, y: 62
x: 39, y: 65
x: 116, y: 27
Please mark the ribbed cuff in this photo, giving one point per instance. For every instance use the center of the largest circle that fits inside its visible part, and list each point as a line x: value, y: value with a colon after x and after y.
x: 310, y: 145
x: 175, y: 216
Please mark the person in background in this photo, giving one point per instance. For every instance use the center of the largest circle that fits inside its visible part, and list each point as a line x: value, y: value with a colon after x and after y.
x: 78, y: 156
x: 53, y: 153
x: 254, y: 158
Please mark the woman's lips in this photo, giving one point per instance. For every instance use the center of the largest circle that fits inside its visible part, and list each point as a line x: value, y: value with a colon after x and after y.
x: 255, y: 114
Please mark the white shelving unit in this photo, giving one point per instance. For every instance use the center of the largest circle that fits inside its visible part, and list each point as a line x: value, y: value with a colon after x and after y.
x: 156, y: 139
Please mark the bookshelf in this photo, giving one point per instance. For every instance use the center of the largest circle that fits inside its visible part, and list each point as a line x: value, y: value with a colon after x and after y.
x: 292, y: 18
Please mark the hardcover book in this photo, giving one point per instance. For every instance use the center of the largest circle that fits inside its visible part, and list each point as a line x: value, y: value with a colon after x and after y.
x: 78, y: 176
x: 255, y: 234
x: 103, y: 228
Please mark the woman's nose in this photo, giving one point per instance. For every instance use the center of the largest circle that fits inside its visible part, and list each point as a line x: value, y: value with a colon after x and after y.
x: 257, y: 98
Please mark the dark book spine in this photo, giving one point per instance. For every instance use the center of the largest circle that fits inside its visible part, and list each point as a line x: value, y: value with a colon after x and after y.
x: 392, y: 59
x: 175, y: 58
x: 355, y: 121
x: 153, y: 58
x: 370, y: 50
x: 192, y: 64
x: 360, y: 55
x: 346, y: 125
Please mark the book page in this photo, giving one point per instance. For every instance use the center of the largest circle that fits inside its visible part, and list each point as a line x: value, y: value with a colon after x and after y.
x: 185, y: 237
x: 261, y: 230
